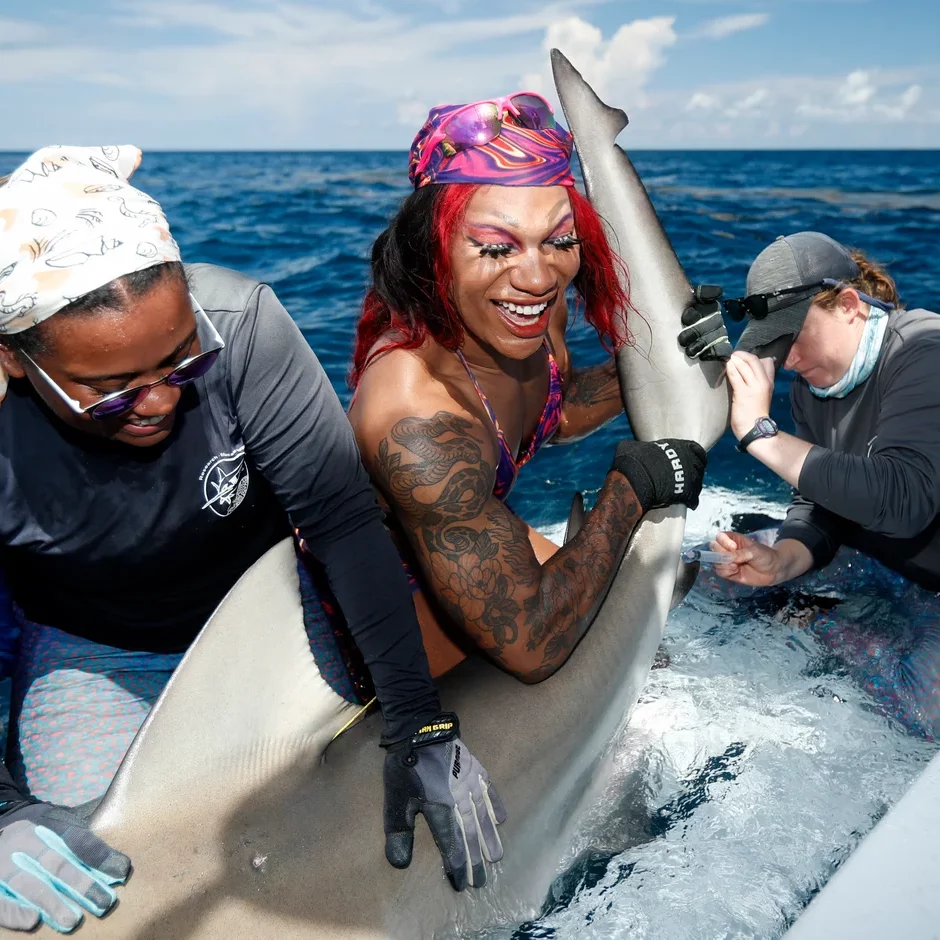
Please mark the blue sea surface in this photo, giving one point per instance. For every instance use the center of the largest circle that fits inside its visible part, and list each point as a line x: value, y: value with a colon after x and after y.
x: 753, y: 763
x: 305, y: 223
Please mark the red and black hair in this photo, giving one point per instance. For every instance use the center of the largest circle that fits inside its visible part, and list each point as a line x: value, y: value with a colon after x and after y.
x: 410, y: 297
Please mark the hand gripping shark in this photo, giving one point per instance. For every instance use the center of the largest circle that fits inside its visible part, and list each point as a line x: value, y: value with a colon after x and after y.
x: 243, y: 820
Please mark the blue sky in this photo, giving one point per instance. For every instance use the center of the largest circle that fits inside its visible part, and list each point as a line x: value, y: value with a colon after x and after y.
x: 307, y: 74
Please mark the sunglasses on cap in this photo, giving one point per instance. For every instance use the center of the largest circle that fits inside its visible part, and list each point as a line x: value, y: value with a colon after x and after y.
x: 479, y: 123
x: 127, y: 399
x: 756, y: 306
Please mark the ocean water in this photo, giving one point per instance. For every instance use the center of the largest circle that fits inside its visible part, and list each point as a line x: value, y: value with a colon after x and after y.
x: 753, y: 763
x: 305, y: 223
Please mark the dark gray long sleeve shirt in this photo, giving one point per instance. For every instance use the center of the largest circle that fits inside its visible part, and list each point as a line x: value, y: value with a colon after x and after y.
x: 872, y: 480
x: 135, y: 547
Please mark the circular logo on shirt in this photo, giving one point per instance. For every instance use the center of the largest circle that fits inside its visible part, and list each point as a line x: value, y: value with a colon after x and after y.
x: 225, y: 482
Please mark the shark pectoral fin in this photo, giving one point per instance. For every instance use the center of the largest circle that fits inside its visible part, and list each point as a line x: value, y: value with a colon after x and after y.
x: 685, y: 578
x: 614, y: 119
x: 575, y: 517
x: 251, y: 669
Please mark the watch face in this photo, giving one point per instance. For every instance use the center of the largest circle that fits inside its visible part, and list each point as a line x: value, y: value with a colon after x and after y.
x: 766, y: 426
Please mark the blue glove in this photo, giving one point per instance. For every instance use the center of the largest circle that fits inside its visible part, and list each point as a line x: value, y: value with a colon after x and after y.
x: 51, y: 866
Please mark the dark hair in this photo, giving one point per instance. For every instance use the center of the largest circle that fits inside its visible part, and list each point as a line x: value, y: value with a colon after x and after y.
x: 410, y: 297
x: 872, y: 279
x: 405, y: 298
x: 115, y: 295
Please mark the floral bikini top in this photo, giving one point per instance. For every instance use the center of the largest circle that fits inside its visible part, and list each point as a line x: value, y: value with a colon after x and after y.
x: 509, y: 466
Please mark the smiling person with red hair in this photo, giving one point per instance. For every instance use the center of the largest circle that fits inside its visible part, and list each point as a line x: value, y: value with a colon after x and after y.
x: 462, y: 372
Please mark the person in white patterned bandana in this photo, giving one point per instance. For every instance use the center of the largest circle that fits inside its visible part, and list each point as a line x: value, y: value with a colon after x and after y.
x: 71, y: 222
x: 163, y: 425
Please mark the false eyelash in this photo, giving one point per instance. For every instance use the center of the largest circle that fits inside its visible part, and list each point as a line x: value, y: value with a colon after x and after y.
x: 495, y: 251
x: 565, y: 242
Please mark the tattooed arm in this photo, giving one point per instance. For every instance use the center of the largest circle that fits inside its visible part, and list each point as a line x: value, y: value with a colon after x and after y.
x: 436, y: 472
x: 591, y: 398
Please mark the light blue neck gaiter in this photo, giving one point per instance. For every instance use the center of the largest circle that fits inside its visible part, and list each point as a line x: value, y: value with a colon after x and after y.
x: 866, y: 357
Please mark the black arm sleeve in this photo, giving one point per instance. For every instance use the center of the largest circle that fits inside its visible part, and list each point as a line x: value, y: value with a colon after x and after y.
x: 814, y: 526
x: 297, y: 435
x: 895, y: 489
x: 8, y: 790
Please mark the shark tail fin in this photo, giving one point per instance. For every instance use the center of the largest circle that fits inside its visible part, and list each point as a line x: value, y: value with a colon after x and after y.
x: 615, y: 119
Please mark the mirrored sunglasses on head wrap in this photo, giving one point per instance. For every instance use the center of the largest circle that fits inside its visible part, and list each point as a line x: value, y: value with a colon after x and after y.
x: 127, y: 399
x: 477, y: 124
x: 757, y: 306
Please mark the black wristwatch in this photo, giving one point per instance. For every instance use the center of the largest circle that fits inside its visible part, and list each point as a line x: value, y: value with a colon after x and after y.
x: 763, y: 427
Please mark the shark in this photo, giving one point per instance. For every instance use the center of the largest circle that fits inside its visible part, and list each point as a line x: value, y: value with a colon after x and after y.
x: 247, y: 812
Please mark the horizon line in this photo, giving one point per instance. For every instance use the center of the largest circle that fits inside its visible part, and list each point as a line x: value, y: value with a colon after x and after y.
x: 363, y: 150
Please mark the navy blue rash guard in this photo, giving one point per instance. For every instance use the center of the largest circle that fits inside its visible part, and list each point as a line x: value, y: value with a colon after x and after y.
x: 135, y: 547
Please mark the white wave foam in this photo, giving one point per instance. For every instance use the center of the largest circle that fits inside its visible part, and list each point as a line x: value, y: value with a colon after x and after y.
x: 749, y: 770
x: 716, y: 508
x: 751, y: 767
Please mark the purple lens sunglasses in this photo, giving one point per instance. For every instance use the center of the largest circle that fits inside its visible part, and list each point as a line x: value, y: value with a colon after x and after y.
x: 479, y: 123
x: 127, y: 399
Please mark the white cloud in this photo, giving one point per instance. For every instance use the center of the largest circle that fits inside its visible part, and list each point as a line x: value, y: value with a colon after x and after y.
x: 751, y: 104
x: 20, y: 33
x: 286, y: 22
x: 754, y: 100
x: 309, y: 73
x: 317, y: 27
x: 287, y: 59
x: 910, y: 97
x: 861, y: 97
x: 899, y: 109
x: 796, y: 110
x: 618, y: 68
x: 857, y: 90
x: 728, y: 25
x: 701, y: 101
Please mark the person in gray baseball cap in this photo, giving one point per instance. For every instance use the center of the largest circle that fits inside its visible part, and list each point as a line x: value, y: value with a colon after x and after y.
x: 865, y: 458
x: 783, y: 284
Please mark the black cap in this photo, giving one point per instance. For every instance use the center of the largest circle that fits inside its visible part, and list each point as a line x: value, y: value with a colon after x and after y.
x: 792, y: 260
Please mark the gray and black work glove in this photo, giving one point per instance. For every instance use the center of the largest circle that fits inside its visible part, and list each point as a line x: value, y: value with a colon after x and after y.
x: 433, y: 773
x: 705, y: 335
x: 51, y: 867
x: 662, y: 472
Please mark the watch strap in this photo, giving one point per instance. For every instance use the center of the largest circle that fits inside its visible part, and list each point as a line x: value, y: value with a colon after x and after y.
x: 755, y: 433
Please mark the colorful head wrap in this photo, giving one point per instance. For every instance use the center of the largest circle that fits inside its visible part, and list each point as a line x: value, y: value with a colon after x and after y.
x: 517, y: 157
x: 69, y: 224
